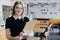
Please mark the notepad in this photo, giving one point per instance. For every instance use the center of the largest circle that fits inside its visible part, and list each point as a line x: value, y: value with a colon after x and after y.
x: 29, y: 27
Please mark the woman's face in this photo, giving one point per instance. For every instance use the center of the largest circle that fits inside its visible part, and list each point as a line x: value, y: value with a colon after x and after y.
x: 18, y: 9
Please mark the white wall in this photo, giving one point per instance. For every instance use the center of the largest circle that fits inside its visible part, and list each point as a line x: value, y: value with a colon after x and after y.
x: 1, y: 12
x: 54, y: 10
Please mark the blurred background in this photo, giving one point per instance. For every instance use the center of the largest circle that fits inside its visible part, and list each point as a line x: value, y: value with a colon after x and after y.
x: 46, y: 12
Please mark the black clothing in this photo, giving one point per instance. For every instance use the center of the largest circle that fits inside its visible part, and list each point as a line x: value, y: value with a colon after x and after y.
x: 16, y: 26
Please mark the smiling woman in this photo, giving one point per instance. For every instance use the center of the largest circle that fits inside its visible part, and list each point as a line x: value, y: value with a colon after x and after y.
x: 18, y: 9
x: 16, y: 23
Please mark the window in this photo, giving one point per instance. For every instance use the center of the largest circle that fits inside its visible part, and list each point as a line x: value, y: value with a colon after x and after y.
x: 7, y: 11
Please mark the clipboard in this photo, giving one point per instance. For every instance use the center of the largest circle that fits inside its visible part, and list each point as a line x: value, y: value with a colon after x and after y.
x: 29, y: 26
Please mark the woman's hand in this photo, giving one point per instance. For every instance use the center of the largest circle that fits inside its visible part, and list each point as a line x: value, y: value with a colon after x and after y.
x: 23, y: 34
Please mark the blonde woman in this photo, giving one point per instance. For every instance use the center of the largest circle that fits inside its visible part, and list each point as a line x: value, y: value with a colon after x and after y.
x: 15, y: 24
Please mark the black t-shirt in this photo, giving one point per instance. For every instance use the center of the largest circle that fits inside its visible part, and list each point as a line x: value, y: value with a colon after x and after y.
x: 16, y: 26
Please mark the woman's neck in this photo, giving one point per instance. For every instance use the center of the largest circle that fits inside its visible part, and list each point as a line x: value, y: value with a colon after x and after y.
x: 16, y: 16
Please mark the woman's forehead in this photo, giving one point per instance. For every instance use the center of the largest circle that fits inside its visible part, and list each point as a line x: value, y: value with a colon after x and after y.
x: 19, y: 5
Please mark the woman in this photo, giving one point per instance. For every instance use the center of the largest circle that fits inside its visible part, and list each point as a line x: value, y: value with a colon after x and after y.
x: 15, y: 24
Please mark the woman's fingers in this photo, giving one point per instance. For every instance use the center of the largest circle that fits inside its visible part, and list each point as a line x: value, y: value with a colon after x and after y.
x: 23, y: 34
x: 21, y: 38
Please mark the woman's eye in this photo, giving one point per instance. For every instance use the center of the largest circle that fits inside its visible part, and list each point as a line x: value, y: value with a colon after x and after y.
x: 19, y: 8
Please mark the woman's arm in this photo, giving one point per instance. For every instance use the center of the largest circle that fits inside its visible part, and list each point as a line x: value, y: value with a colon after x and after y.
x: 8, y: 34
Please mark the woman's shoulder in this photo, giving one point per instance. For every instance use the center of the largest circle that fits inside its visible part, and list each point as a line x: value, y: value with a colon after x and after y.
x: 9, y: 18
x: 26, y: 19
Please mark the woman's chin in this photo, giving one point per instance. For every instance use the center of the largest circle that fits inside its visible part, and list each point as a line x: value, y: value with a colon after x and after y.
x: 19, y: 14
